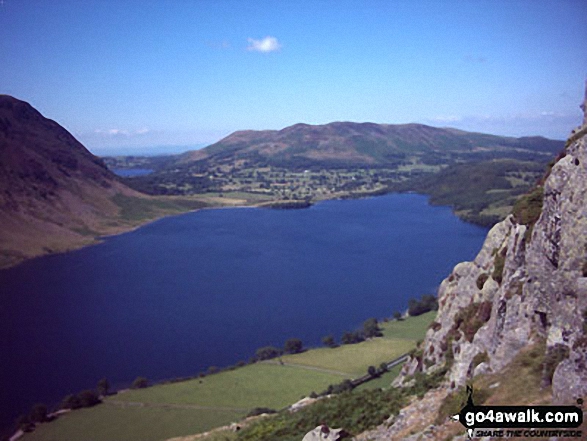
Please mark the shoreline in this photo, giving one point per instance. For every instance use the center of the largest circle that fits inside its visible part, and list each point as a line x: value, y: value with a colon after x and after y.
x: 96, y: 240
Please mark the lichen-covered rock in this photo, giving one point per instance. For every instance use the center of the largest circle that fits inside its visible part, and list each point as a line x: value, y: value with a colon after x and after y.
x: 528, y: 284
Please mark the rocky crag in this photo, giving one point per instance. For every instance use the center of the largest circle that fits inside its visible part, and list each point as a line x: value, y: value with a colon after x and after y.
x: 524, y: 296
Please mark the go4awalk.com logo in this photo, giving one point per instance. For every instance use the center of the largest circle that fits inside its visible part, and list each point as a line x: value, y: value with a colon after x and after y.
x: 520, y: 421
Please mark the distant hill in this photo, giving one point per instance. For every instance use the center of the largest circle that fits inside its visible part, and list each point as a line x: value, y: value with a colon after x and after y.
x: 364, y: 144
x: 54, y: 194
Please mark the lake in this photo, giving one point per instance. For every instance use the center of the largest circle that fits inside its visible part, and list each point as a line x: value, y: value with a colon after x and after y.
x: 208, y: 288
x: 131, y: 172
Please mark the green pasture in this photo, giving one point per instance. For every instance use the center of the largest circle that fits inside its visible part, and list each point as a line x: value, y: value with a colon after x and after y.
x: 413, y: 328
x: 257, y: 385
x: 352, y: 359
x: 107, y: 422
x: 179, y: 409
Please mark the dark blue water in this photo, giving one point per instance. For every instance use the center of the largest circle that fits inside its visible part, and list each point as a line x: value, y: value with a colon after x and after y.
x: 130, y: 172
x: 210, y: 287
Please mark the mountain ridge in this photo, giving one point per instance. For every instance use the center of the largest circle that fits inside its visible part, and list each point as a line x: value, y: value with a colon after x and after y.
x: 361, y: 143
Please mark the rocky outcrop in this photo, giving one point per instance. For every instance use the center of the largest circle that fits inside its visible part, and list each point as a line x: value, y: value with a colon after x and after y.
x: 528, y: 284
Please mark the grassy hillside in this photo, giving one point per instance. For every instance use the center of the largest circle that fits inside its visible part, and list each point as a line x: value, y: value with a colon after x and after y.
x: 481, y: 192
x: 180, y: 409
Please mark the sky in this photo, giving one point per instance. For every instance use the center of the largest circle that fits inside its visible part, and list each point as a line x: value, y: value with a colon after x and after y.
x: 142, y: 76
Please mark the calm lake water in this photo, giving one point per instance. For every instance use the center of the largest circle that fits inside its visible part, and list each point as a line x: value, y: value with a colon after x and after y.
x: 210, y: 287
x: 130, y: 172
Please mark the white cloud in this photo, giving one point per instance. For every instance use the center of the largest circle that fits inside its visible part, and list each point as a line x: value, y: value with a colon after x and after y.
x: 121, y: 132
x: 447, y: 119
x: 267, y: 44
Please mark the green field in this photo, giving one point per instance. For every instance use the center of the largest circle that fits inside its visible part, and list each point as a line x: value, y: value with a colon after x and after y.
x: 171, y: 410
x: 141, y: 423
x: 414, y: 328
x: 353, y: 359
x: 258, y: 385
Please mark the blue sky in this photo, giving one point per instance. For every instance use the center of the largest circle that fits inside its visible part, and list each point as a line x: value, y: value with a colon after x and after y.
x: 131, y: 75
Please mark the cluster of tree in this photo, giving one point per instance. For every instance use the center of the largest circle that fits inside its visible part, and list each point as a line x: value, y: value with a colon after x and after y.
x: 427, y: 302
x: 465, y: 186
x: 376, y: 372
x: 140, y: 383
x: 38, y: 414
x: 86, y: 398
x: 370, y: 329
x: 292, y: 346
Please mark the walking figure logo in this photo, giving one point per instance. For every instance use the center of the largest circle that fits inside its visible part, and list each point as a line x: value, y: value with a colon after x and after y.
x: 520, y: 421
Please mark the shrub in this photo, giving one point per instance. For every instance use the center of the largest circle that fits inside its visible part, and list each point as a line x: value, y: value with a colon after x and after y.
x: 293, y: 346
x: 38, y: 413
x: 528, y: 208
x: 455, y: 401
x: 335, y: 389
x: 371, y: 370
x: 71, y: 402
x: 371, y: 328
x: 356, y: 411
x: 103, y: 386
x: 426, y: 303
x: 554, y: 355
x: 470, y: 318
x: 329, y: 341
x: 88, y: 398
x: 481, y: 280
x: 140, y: 383
x: 260, y: 411
x: 24, y: 423
x: 349, y: 338
x: 498, y: 265
x: 267, y: 353
x: 481, y: 357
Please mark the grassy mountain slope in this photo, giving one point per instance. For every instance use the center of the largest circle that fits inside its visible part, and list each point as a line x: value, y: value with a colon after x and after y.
x: 54, y: 194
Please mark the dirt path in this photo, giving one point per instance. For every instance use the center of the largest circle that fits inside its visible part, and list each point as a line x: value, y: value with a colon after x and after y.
x: 310, y: 368
x: 172, y: 406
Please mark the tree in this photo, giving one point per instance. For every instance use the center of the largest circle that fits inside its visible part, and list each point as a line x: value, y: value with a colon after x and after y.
x: 418, y: 307
x: 140, y: 383
x: 103, y: 386
x: 267, y: 353
x: 88, y: 398
x: 72, y: 402
x: 39, y: 413
x: 24, y: 423
x: 349, y: 338
x: 293, y: 346
x: 372, y: 371
x: 371, y: 328
x: 329, y: 341
x: 397, y: 315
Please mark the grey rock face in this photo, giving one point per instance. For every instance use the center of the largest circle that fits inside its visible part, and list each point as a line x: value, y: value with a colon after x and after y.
x: 542, y: 293
x: 534, y: 280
